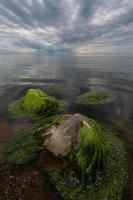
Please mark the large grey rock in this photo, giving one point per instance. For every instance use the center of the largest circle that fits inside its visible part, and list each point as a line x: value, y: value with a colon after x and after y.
x: 59, y: 139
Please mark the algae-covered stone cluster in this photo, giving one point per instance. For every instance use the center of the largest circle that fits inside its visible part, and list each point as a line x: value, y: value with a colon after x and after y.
x: 95, y: 160
x: 95, y: 97
x: 100, y: 171
x: 36, y: 103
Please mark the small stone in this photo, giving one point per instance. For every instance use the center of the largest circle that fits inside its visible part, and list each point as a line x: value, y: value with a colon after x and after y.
x: 88, y: 188
x: 17, y: 178
x: 73, y: 182
x: 23, y: 186
x: 98, y: 182
x: 11, y: 177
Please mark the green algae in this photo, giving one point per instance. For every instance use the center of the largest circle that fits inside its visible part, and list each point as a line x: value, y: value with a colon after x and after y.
x: 15, y: 110
x: 63, y: 105
x: 23, y: 149
x: 47, y: 122
x: 108, y: 181
x: 36, y: 102
x: 95, y: 97
x: 92, y: 154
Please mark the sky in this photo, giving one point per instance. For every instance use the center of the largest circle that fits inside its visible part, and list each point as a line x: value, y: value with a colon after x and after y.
x: 78, y: 26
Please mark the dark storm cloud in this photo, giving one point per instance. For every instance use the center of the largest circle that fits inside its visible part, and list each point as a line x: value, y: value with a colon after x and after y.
x: 71, y: 24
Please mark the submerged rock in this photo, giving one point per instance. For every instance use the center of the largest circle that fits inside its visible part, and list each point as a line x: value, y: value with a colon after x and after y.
x: 98, y: 160
x: 80, y: 139
x: 36, y: 103
x: 92, y: 164
x: 95, y: 98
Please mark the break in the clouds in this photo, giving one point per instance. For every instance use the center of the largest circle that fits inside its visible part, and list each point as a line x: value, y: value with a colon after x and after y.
x: 81, y: 26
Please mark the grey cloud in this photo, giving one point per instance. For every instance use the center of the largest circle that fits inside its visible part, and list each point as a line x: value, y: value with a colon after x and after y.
x: 87, y: 7
x: 47, y: 24
x: 49, y: 12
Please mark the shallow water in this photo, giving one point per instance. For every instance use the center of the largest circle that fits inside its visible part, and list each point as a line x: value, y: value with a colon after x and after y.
x: 109, y: 73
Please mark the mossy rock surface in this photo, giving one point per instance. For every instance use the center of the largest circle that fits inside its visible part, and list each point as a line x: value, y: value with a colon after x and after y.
x: 62, y: 136
x: 98, y: 170
x: 36, y: 103
x: 107, y: 185
x: 95, y: 97
x: 46, y: 123
x: 100, y: 150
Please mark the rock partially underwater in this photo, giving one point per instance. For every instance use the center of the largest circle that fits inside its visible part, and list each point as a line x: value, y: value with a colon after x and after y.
x: 96, y: 104
x: 97, y: 159
x: 95, y: 162
x: 34, y: 104
x: 95, y: 98
x: 62, y: 136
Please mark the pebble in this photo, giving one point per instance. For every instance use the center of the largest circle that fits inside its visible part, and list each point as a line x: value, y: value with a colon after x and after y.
x: 11, y: 176
x: 73, y: 182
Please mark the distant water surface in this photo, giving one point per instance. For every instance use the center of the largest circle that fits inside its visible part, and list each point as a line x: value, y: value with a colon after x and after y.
x: 109, y: 73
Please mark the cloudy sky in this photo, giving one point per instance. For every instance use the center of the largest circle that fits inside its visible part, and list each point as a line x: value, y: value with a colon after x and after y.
x: 80, y: 26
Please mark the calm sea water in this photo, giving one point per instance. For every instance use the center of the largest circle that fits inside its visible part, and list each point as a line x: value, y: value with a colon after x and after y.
x: 110, y: 73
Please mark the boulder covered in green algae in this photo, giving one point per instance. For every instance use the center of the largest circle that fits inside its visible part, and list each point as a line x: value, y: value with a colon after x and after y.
x: 95, y: 98
x: 97, y: 166
x: 64, y: 134
x: 35, y: 103
x: 95, y: 161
